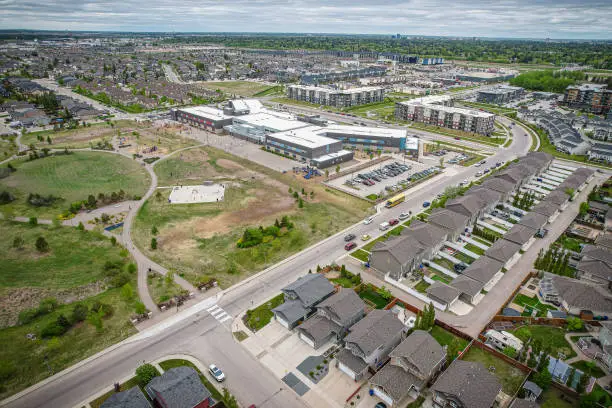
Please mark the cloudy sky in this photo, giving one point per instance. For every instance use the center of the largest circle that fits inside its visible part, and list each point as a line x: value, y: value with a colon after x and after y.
x: 571, y: 19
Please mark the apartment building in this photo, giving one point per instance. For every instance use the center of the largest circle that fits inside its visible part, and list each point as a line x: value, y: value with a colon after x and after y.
x: 589, y: 97
x: 338, y: 98
x: 500, y: 95
x: 439, y: 111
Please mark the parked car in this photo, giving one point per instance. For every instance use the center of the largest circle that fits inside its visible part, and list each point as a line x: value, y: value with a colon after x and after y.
x: 426, y: 204
x: 350, y: 246
x: 460, y: 267
x: 393, y: 221
x: 380, y: 405
x: 384, y: 226
x: 365, y: 237
x: 349, y: 237
x: 403, y: 216
x: 368, y: 220
x: 216, y: 372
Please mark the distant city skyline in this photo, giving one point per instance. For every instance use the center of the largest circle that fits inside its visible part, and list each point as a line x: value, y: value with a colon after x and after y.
x: 555, y: 19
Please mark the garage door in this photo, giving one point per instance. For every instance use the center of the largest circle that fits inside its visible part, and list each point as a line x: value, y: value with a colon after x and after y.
x: 380, y: 394
x: 346, y: 370
x: 307, y: 340
x: 282, y: 321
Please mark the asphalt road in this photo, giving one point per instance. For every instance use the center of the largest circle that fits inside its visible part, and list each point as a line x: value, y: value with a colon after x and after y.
x: 205, y: 338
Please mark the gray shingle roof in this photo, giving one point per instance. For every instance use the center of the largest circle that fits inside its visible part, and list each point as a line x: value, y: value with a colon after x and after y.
x: 424, y: 233
x: 502, y: 250
x: 447, y: 219
x: 534, y: 220
x: 421, y: 350
x: 310, y: 288
x: 353, y: 362
x: 557, y: 197
x: 545, y: 207
x: 604, y: 241
x: 402, y: 248
x: 595, y: 252
x: 483, y: 269
x: 179, y: 387
x: 470, y: 383
x: 319, y: 328
x: 291, y: 310
x: 499, y: 185
x: 344, y: 305
x: 582, y: 295
x: 523, y: 403
x: 469, y: 204
x: 520, y: 234
x: 395, y: 381
x: 443, y: 292
x: 488, y: 195
x: 376, y: 329
x: 132, y: 398
x: 467, y: 285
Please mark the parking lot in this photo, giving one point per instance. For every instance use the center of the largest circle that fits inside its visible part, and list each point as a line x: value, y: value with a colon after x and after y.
x: 384, y: 178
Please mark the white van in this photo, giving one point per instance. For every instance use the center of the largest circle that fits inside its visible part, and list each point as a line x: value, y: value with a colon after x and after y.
x: 384, y: 226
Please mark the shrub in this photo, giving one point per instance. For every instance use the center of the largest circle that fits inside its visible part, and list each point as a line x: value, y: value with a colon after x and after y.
x: 140, y: 308
x: 33, y: 221
x: 79, y: 313
x: 6, y: 197
x: 120, y: 279
x: 53, y: 329
x: 37, y: 200
x: 153, y: 243
x: 145, y: 373
x: 41, y: 244
x: 18, y: 243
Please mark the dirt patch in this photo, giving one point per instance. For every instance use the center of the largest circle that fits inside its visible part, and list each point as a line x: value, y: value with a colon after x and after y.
x: 15, y: 300
x: 332, y: 275
x: 230, y: 165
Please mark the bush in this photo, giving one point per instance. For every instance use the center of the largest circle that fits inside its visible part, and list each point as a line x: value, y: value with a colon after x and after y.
x: 140, y: 308
x: 33, y: 221
x: 53, y: 329
x: 6, y: 197
x: 79, y: 313
x: 120, y: 279
x: 153, y: 243
x: 145, y: 373
x: 37, y: 200
x: 7, y: 369
x: 41, y: 244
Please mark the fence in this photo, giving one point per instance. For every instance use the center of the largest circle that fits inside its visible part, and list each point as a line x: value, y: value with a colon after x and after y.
x: 478, y: 344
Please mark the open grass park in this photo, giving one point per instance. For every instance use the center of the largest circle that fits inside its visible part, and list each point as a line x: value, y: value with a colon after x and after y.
x: 242, y: 88
x: 72, y: 270
x: 200, y: 240
x: 72, y: 177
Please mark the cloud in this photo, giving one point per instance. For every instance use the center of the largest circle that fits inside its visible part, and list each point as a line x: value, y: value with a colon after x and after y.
x: 503, y: 18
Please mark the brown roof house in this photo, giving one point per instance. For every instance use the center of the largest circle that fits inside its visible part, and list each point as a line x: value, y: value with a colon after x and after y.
x: 466, y: 384
x: 369, y: 343
x: 413, y: 364
x: 333, y: 318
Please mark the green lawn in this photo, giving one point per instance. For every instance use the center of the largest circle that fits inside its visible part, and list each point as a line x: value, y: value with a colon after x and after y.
x: 422, y: 286
x: 161, y: 290
x: 168, y: 364
x: 257, y: 318
x: 374, y: 298
x: 534, y: 302
x: 440, y: 278
x: 481, y: 240
x: 573, y: 244
x: 361, y: 255
x: 474, y: 158
x: 510, y: 377
x: 244, y: 88
x: 445, y: 263
x: 444, y: 337
x: 594, y: 371
x: 554, y: 398
x: 463, y: 257
x: 8, y: 147
x: 550, y: 337
x: 368, y: 247
x: 473, y: 248
x: 473, y: 137
x: 602, y: 395
x: 72, y: 177
x: 344, y: 282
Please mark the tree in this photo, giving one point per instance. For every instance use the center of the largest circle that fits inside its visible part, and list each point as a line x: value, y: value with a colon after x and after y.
x: 573, y: 324
x: 113, y: 240
x: 154, y: 230
x: 145, y: 373
x: 79, y: 313
x: 584, y: 209
x: 300, y: 203
x: 81, y: 227
x: 33, y: 221
x: 91, y: 201
x: 127, y: 292
x: 18, y: 242
x: 509, y: 351
x: 384, y: 292
x: 543, y: 379
x: 582, y: 383
x: 153, y: 243
x: 326, y: 174
x: 589, y: 401
x: 453, y: 350
x: 41, y: 244
x: 337, y: 169
x: 140, y: 308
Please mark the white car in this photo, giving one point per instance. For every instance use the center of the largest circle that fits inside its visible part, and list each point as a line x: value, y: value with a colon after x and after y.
x: 216, y: 373
x: 368, y: 220
x: 403, y: 216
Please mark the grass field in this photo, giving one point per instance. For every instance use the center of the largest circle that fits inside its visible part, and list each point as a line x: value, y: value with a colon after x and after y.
x: 473, y: 137
x: 510, y: 377
x: 361, y: 255
x: 555, y: 398
x: 8, y: 147
x: 199, y: 240
x: 550, y: 337
x: 72, y: 177
x: 243, y: 88
x: 161, y: 290
x: 474, y: 249
x: 422, y: 286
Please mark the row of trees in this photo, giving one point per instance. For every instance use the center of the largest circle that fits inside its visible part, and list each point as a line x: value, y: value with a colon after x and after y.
x: 481, y: 232
x: 41, y: 243
x: 555, y: 260
x: 426, y: 319
x: 548, y: 81
x: 524, y: 201
x: 255, y: 236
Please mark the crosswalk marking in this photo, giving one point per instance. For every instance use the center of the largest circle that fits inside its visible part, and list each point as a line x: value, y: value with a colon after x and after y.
x: 219, y: 314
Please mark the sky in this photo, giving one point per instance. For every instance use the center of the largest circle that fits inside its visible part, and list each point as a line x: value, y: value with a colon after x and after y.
x: 561, y: 19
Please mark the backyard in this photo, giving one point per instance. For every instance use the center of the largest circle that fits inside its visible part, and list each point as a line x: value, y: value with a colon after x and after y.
x: 445, y: 338
x: 531, y: 303
x: 71, y: 178
x: 510, y: 377
x: 552, y: 338
x: 373, y: 298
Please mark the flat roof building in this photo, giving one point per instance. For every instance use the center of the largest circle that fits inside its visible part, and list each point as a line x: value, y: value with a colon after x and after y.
x: 205, y: 117
x: 339, y: 98
x: 500, y: 95
x: 373, y: 138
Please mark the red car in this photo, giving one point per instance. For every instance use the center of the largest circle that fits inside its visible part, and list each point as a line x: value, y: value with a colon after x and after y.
x: 350, y: 246
x: 457, y: 138
x: 393, y: 222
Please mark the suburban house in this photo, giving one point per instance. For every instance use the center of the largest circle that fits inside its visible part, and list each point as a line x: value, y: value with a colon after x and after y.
x: 576, y: 296
x: 179, y: 387
x: 428, y: 235
x: 534, y: 220
x: 301, y: 297
x: 454, y: 223
x: 470, y: 205
x: 502, y: 339
x: 490, y: 197
x: 485, y: 270
x: 444, y: 295
x: 604, y: 241
x: 515, y: 175
x: 132, y: 398
x: 503, y: 187
x: 466, y: 384
x: 397, y: 256
x: 521, y: 235
x: 369, y: 343
x: 413, y: 364
x: 595, y: 265
x: 523, y: 403
x: 333, y: 318
x: 559, y: 198
x: 470, y: 290
x: 605, y: 338
x: 546, y: 208
x: 504, y: 251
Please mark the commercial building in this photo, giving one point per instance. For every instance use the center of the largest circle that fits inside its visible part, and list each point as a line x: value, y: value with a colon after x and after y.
x: 500, y: 95
x: 308, y: 145
x: 438, y: 111
x: 373, y: 138
x: 338, y: 98
x: 589, y: 97
x: 205, y: 117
